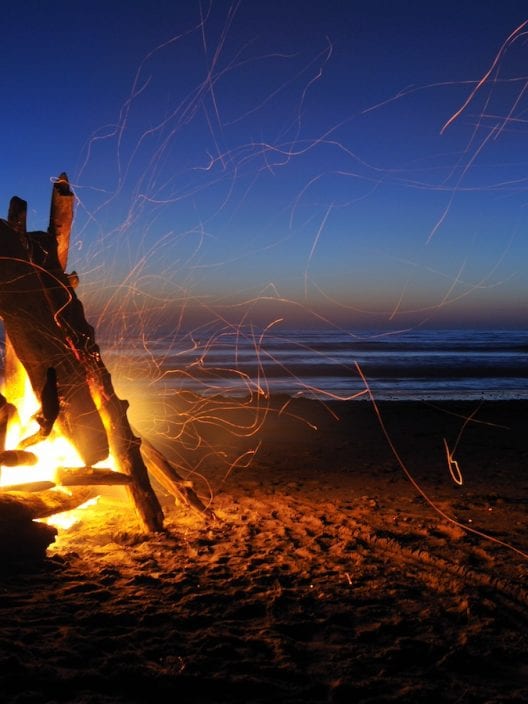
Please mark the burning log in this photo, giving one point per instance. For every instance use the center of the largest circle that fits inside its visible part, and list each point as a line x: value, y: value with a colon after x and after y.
x: 49, y: 403
x: 15, y: 505
x: 88, y: 476
x: 28, y: 486
x: 17, y: 458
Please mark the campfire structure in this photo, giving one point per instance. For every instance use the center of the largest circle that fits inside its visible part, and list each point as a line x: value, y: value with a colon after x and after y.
x: 50, y: 352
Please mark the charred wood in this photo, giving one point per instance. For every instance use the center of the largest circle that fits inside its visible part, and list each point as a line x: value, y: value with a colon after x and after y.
x: 28, y: 486
x: 7, y: 410
x: 33, y: 301
x: 17, y: 505
x: 61, y: 217
x: 17, y: 458
x: 17, y: 214
x: 47, y: 332
x: 88, y: 476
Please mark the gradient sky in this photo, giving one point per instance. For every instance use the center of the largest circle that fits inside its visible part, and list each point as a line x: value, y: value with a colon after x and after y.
x: 293, y: 150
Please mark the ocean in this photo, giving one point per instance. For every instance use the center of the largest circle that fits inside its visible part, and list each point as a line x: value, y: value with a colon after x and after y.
x: 411, y: 365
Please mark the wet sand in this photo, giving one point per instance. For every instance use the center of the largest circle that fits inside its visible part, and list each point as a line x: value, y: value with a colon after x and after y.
x: 326, y: 578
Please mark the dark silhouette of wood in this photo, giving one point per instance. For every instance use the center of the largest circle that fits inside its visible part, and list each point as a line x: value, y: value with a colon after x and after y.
x: 46, y: 326
x: 35, y: 304
x: 6, y: 411
x: 46, y: 329
x: 17, y: 214
x: 61, y: 217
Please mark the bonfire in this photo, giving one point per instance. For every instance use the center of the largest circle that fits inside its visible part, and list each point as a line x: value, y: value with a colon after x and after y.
x: 63, y: 429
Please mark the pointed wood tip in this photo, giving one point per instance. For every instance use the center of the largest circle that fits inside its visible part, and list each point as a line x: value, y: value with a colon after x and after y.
x: 17, y: 213
x: 62, y: 185
x: 61, y: 216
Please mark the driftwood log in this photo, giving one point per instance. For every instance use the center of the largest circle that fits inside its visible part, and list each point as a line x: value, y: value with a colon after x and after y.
x: 46, y: 329
x: 88, y: 476
x: 26, y: 504
x: 21, y: 537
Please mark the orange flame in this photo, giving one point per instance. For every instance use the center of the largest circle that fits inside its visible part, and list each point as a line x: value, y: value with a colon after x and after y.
x: 52, y: 452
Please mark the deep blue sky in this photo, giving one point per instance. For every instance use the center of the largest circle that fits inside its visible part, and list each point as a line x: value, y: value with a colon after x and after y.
x: 285, y: 149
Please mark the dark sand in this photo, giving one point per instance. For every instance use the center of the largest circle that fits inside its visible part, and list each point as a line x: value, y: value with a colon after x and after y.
x: 327, y: 578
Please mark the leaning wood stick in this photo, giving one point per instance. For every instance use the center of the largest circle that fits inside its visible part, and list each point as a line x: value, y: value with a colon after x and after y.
x: 165, y: 473
x: 123, y: 444
x: 126, y: 447
x: 49, y: 403
x: 7, y: 410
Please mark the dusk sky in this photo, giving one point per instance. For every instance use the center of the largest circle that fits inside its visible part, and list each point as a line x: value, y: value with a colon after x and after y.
x: 226, y: 152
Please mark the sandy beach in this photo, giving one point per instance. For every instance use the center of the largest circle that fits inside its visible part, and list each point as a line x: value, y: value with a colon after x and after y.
x: 327, y: 576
